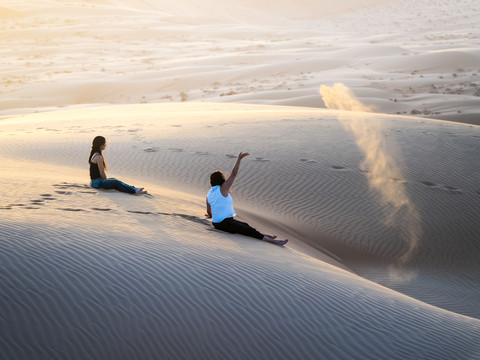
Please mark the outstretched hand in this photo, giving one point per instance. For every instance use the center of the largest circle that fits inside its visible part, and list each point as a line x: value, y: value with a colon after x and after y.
x: 242, y: 155
x: 226, y: 186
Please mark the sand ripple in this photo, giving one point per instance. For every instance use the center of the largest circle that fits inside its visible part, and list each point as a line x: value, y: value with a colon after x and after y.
x: 98, y: 296
x: 99, y: 274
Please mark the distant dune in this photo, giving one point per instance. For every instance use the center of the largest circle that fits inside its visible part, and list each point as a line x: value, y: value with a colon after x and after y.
x: 404, y: 57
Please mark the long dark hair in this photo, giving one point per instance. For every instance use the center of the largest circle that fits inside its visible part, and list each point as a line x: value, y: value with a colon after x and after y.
x: 96, y: 148
x: 217, y: 178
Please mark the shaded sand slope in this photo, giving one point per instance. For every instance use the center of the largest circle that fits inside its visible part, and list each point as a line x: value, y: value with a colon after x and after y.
x: 100, y: 274
x: 409, y: 223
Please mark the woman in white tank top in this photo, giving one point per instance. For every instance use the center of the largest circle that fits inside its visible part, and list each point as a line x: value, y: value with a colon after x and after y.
x: 220, y: 207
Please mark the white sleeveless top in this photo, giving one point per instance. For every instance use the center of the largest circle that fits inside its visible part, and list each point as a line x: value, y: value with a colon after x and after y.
x: 222, y: 207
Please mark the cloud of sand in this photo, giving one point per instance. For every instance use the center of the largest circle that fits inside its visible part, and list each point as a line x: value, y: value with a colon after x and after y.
x: 381, y: 167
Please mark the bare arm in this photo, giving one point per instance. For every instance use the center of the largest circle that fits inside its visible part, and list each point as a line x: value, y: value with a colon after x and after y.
x: 209, y: 210
x: 99, y: 161
x: 225, y: 188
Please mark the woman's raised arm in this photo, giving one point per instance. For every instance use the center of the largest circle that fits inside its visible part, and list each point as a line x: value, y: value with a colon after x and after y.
x: 225, y: 188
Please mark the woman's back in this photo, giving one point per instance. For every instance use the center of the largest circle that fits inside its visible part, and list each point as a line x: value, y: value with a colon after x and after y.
x: 222, y: 207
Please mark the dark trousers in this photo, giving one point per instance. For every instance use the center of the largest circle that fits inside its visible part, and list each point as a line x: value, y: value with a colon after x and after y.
x: 237, y: 227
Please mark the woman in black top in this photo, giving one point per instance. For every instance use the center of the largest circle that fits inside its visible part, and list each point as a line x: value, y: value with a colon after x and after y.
x: 98, y: 168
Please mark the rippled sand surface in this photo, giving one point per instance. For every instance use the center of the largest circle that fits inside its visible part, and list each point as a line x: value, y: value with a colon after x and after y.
x: 98, y: 274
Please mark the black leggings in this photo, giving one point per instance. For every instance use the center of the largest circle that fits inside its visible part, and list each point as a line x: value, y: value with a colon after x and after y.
x: 237, y: 227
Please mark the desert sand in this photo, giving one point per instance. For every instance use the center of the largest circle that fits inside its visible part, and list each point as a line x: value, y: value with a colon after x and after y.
x: 412, y: 57
x: 361, y: 121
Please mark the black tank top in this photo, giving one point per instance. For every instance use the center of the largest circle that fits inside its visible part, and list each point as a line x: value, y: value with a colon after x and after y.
x: 94, y: 172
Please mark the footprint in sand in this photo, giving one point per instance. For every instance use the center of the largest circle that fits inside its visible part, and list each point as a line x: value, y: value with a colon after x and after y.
x: 308, y: 161
x: 452, y: 189
x: 41, y: 201
x: 175, y: 149
x: 64, y: 192
x: 48, y: 197
x: 202, y: 153
x: 65, y: 185
x: 259, y: 159
x: 140, y: 212
x: 338, y: 167
x: 449, y: 189
x: 6, y: 208
x: 100, y: 209
x: 230, y: 156
x: 151, y: 149
x: 70, y: 209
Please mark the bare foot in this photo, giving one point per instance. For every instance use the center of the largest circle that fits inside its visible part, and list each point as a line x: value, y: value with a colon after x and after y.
x: 272, y: 239
x: 280, y: 242
x: 140, y: 191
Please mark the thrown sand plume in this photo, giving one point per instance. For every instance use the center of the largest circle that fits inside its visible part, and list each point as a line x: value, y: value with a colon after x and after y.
x: 380, y: 165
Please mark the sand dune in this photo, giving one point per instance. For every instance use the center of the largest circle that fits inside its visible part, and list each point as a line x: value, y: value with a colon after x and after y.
x: 380, y: 208
x: 102, y: 274
x: 306, y: 149
x: 60, y: 54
